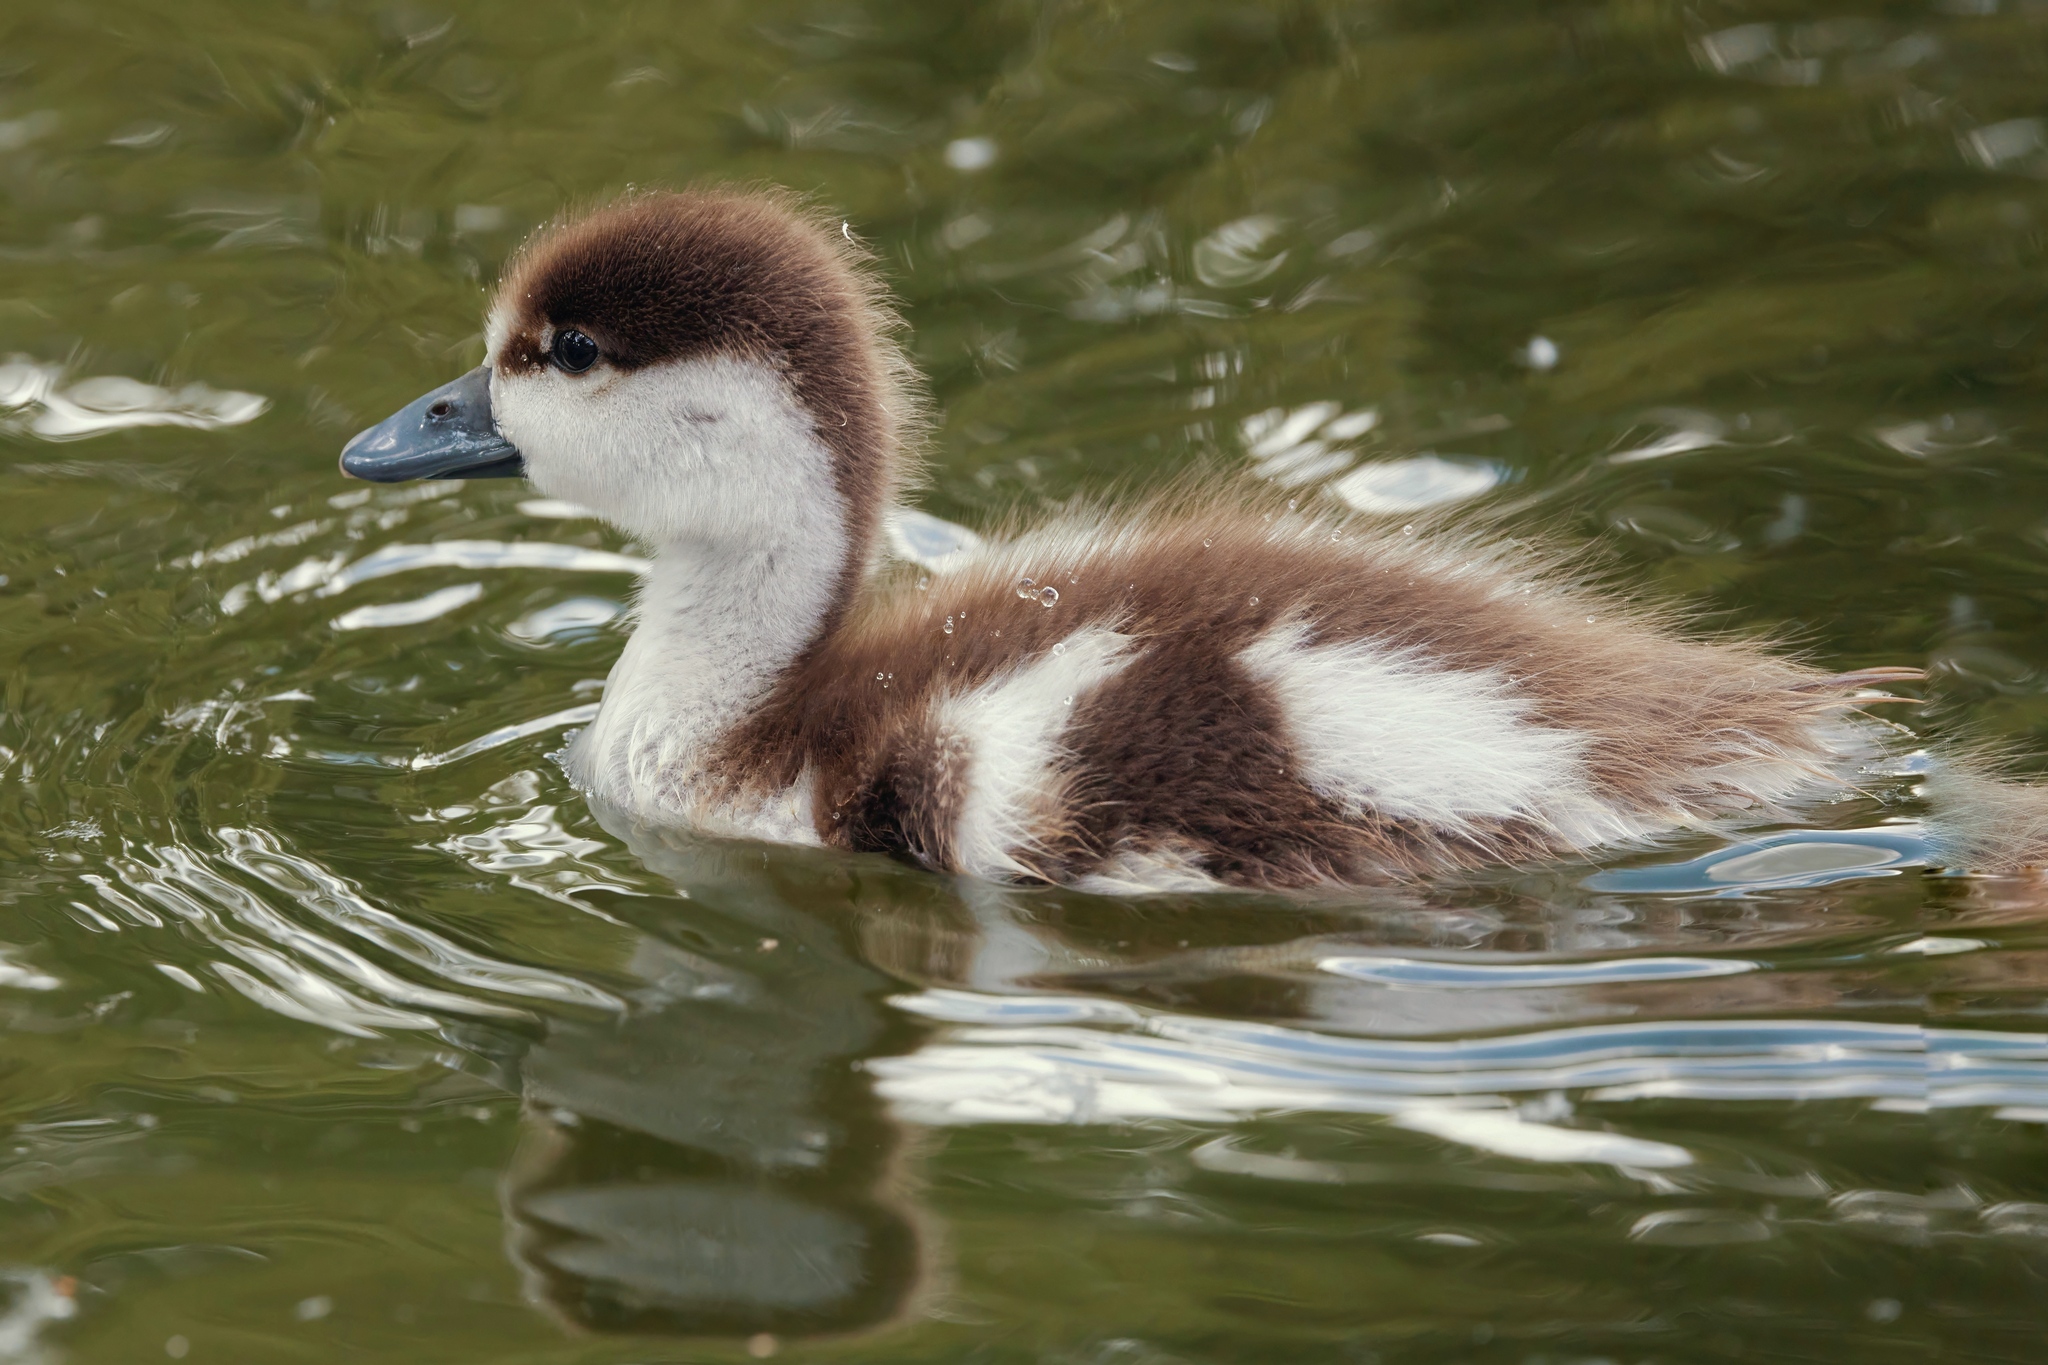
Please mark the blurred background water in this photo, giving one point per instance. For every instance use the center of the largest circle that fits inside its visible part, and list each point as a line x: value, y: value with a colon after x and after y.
x: 337, y: 1027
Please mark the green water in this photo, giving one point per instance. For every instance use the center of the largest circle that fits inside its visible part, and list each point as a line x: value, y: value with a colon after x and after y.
x: 336, y: 1026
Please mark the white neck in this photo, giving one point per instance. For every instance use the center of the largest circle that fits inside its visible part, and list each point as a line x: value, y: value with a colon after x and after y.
x: 718, y: 620
x: 713, y: 463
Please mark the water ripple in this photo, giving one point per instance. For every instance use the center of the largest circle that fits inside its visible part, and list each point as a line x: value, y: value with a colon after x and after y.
x: 507, y: 734
x: 308, y: 973
x: 1455, y: 975
x: 1805, y: 857
x: 90, y: 407
x: 1039, y: 1060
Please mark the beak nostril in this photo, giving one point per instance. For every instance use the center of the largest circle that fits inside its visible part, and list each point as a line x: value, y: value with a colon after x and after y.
x: 444, y: 433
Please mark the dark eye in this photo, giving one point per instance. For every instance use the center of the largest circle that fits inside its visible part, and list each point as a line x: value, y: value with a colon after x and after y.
x: 574, y: 351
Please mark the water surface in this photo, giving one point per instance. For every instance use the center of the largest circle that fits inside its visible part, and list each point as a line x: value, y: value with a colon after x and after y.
x: 338, y: 1027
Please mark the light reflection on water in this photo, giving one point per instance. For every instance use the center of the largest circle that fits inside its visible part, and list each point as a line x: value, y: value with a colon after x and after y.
x: 337, y: 1025
x: 1797, y: 858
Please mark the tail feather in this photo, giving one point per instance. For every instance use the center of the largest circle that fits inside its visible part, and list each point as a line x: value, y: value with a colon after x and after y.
x: 1980, y: 818
x: 1983, y: 822
x: 1864, y: 677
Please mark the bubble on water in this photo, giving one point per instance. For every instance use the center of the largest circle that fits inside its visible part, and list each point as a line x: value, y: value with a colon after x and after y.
x: 1048, y: 596
x: 949, y: 625
x: 971, y: 153
x: 1027, y: 587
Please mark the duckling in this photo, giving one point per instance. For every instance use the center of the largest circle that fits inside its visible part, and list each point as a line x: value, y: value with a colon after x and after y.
x: 1192, y: 692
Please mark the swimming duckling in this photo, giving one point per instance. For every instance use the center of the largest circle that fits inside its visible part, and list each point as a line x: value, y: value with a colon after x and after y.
x: 1191, y: 692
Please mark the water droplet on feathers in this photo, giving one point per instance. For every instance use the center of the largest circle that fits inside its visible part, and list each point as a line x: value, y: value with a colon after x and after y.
x: 1027, y: 588
x: 1048, y: 596
x: 949, y: 625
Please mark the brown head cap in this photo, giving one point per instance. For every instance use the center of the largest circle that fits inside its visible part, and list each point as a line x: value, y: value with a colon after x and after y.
x: 747, y: 273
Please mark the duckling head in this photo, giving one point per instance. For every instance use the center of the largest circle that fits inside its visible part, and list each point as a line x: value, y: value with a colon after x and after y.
x: 708, y: 365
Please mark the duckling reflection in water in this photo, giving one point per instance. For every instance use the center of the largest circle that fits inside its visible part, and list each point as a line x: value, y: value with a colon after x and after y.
x: 742, y: 1154
x: 718, y: 1163
x: 714, y: 1164
x: 1207, y: 689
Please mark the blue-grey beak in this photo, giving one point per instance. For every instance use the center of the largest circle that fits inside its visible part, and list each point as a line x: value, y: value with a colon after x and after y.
x: 448, y: 434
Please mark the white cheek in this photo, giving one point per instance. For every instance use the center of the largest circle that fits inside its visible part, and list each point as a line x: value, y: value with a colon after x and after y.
x: 711, y: 448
